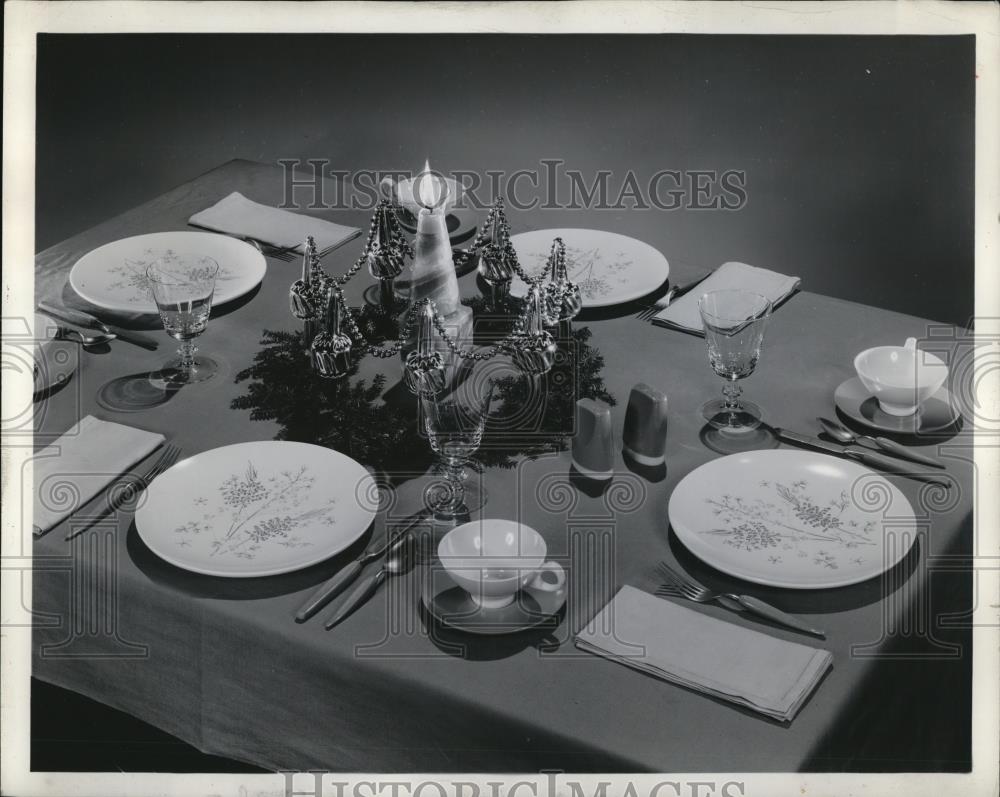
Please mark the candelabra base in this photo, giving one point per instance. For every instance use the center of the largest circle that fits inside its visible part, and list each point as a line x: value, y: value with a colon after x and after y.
x: 375, y: 297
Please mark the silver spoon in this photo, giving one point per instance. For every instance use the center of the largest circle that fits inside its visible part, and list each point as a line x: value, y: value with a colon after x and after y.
x: 845, y: 435
x: 397, y: 561
x: 341, y: 580
x: 65, y: 333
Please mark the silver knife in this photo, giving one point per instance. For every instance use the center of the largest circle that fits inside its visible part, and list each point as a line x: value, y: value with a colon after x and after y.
x: 903, y: 452
x: 333, y: 586
x: 748, y: 603
x: 368, y: 587
x: 81, y: 319
x: 888, y: 464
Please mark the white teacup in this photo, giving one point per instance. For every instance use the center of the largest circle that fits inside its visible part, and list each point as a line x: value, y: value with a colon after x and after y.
x: 492, y: 559
x: 900, y: 377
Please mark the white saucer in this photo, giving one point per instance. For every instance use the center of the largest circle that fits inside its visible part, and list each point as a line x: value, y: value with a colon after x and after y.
x: 935, y: 414
x: 453, y: 606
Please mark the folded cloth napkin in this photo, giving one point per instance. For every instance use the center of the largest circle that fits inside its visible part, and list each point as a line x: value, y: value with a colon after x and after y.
x: 678, y: 644
x: 81, y: 463
x: 237, y: 215
x: 683, y: 313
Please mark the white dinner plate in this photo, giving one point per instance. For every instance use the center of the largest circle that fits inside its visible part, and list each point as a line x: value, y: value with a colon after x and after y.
x: 609, y: 268
x: 793, y: 519
x: 257, y: 509
x: 113, y: 276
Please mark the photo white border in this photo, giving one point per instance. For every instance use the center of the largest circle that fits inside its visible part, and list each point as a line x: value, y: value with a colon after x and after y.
x: 25, y: 18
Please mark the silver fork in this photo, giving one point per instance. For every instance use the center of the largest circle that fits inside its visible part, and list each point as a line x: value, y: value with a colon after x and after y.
x: 128, y: 493
x: 284, y: 253
x: 675, y: 585
x: 664, y: 301
x: 647, y: 313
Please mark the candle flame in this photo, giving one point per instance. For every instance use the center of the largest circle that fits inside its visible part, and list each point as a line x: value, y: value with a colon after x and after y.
x: 431, y: 189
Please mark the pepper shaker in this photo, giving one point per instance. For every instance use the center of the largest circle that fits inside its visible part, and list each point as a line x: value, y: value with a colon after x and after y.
x: 644, y: 437
x: 592, y: 451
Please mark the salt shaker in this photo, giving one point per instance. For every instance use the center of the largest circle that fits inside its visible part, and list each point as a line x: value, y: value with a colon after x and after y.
x: 592, y: 452
x: 644, y: 437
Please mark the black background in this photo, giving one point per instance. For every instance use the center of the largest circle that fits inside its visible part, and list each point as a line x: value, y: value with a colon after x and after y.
x: 858, y: 150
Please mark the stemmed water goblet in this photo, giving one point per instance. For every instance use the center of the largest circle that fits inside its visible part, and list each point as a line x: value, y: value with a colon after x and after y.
x: 734, y: 323
x: 183, y: 286
x: 454, y: 421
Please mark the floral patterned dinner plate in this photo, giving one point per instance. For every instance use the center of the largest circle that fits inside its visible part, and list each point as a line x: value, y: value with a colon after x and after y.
x: 113, y: 276
x: 793, y: 519
x: 609, y: 268
x: 257, y: 509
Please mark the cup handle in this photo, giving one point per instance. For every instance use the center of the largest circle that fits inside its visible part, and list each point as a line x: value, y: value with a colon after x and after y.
x: 911, y: 344
x: 539, y: 582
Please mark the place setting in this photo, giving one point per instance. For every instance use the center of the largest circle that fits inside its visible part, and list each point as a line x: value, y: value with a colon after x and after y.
x: 174, y: 277
x: 793, y: 522
x: 901, y: 380
x: 487, y: 576
x: 814, y: 516
x: 177, y: 277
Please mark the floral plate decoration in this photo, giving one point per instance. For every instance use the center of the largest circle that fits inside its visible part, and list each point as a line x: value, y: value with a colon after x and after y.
x: 257, y: 509
x: 609, y: 268
x: 794, y: 519
x: 113, y: 276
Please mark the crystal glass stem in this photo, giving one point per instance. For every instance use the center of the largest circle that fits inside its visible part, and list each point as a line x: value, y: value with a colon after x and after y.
x: 732, y: 391
x: 454, y: 473
x: 186, y: 352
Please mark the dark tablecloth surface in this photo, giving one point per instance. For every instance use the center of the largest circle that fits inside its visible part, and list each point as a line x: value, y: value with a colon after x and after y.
x: 221, y: 664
